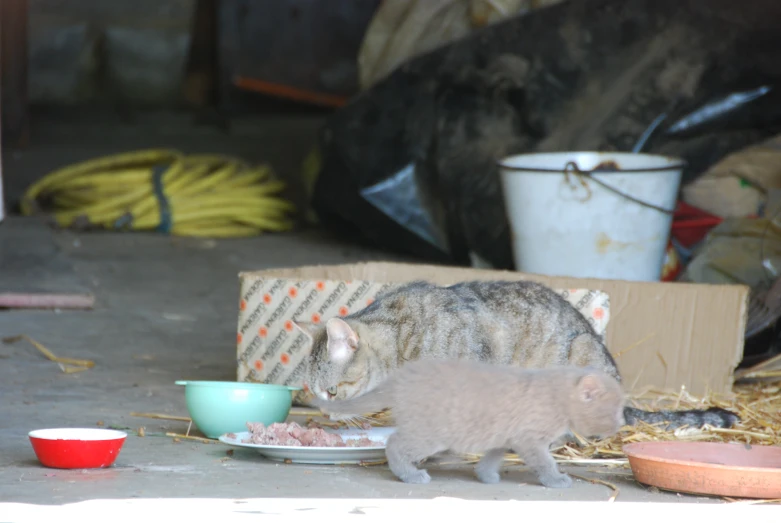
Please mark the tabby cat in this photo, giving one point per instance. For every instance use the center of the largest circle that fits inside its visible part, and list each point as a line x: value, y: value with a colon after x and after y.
x: 523, y: 324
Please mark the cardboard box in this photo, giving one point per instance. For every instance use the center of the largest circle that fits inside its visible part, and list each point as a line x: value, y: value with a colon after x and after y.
x: 662, y: 335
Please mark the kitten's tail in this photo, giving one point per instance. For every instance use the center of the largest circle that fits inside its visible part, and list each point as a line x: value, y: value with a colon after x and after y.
x: 375, y: 400
x: 672, y: 419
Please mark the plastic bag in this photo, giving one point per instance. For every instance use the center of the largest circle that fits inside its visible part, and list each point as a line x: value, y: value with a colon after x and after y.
x: 400, y: 197
x: 739, y: 251
x: 738, y: 184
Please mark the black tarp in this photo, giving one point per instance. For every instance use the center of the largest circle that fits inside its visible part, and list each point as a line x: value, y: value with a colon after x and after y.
x: 410, y: 164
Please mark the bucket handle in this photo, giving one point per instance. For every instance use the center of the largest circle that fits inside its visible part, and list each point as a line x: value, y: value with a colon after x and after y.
x: 572, y: 167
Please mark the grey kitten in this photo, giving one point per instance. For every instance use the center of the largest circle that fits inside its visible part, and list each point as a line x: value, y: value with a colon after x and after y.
x: 521, y: 324
x: 472, y: 407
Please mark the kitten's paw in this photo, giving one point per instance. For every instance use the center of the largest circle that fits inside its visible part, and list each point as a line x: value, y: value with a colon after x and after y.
x: 420, y: 477
x: 488, y: 477
x: 556, y: 481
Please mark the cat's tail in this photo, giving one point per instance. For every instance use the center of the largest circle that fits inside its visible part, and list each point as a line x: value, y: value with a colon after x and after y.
x: 375, y: 400
x: 673, y: 419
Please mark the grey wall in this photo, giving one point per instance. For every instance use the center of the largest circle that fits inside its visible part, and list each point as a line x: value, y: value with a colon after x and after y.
x: 128, y: 51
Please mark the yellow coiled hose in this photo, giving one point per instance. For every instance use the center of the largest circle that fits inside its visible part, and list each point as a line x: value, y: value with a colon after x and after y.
x: 164, y: 190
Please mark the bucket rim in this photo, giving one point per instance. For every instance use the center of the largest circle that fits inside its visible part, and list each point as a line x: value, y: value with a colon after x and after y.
x: 675, y: 165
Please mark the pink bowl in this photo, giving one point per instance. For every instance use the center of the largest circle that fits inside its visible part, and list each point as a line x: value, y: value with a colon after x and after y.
x: 698, y: 467
x: 77, y: 448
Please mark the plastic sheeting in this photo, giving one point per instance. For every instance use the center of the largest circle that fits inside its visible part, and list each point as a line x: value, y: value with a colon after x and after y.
x: 410, y: 164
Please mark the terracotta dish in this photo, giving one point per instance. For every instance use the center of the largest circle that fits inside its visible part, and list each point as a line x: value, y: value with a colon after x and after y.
x: 720, y: 469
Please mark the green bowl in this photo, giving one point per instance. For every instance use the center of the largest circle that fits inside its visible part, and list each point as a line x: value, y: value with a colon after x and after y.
x: 217, y: 407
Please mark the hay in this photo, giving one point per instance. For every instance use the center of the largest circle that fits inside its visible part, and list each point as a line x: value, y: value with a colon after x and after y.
x: 595, y: 481
x: 67, y: 365
x: 153, y: 415
x: 757, y: 404
x: 177, y: 437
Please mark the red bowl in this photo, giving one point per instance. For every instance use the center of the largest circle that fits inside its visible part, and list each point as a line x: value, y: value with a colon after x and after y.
x: 77, y: 448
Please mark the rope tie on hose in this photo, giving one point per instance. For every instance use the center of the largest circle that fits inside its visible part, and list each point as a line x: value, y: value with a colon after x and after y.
x: 162, y: 200
x: 158, y: 189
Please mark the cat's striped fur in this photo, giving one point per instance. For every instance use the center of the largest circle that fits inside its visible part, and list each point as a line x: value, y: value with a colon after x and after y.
x: 523, y: 323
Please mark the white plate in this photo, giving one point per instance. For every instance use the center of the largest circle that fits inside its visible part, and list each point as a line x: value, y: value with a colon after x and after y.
x: 321, y: 455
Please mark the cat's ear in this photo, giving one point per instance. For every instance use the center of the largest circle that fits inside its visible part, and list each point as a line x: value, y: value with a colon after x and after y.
x: 309, y: 329
x: 342, y: 339
x: 589, y: 387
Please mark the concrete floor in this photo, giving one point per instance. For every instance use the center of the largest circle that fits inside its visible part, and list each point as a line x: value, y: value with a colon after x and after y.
x: 166, y: 310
